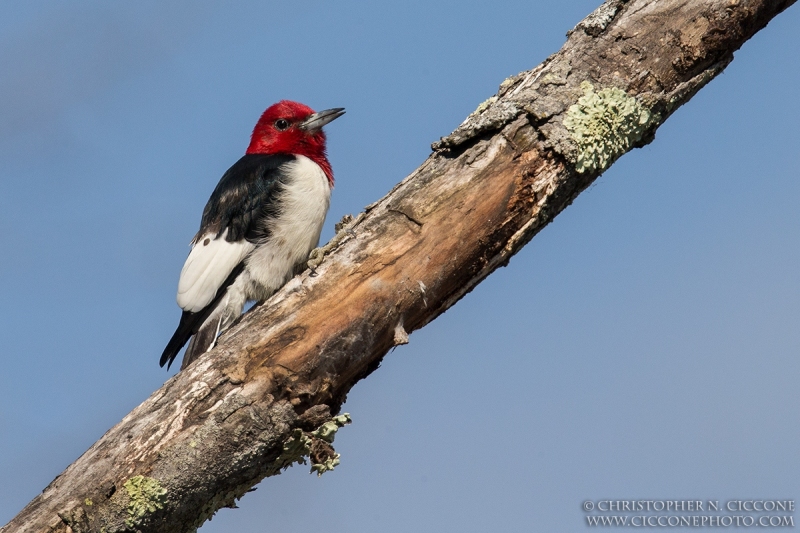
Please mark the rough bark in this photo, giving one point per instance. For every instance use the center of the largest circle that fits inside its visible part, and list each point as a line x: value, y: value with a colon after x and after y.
x: 266, y: 395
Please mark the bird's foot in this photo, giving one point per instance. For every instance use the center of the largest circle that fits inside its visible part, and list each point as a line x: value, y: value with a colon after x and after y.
x: 344, y: 229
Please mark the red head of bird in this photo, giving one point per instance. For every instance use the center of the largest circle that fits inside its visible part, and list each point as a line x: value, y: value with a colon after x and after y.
x: 294, y: 128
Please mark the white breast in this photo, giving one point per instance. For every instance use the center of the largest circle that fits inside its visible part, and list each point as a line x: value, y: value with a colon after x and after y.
x: 295, y: 232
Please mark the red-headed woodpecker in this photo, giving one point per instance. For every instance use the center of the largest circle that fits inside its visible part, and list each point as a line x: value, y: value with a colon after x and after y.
x: 258, y: 227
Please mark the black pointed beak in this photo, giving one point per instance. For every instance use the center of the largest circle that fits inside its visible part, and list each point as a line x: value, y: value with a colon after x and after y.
x: 315, y: 122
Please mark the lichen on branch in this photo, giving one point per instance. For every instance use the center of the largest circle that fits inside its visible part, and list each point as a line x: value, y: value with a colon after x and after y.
x: 146, y: 497
x: 316, y: 445
x: 605, y: 124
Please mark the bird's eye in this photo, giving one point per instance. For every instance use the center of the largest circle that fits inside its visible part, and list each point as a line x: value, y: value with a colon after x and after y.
x: 281, y: 124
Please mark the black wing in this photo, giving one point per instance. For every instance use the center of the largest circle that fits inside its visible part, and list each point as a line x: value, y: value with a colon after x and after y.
x: 245, y: 196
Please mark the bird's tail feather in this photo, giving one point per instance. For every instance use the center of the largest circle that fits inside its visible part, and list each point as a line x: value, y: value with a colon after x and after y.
x: 188, y: 326
x: 200, y: 325
x: 203, y: 340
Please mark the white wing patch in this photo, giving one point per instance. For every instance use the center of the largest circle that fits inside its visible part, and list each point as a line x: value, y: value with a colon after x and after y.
x: 208, y: 265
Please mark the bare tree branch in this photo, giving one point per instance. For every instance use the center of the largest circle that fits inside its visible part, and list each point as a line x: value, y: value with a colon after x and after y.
x: 265, y: 397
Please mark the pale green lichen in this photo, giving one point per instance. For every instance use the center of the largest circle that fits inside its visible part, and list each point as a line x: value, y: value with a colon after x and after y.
x: 483, y: 106
x: 327, y: 431
x: 294, y: 450
x: 88, y: 502
x: 507, y: 84
x: 606, y: 124
x: 329, y: 464
x: 298, y: 446
x: 552, y: 79
x: 146, y: 496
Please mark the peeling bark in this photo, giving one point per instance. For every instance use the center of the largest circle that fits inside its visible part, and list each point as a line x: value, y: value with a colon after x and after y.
x: 265, y: 396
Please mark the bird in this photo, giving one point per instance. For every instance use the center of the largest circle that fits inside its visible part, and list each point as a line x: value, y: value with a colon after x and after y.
x: 258, y: 227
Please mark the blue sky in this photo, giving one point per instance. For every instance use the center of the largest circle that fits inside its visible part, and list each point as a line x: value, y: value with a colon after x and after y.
x: 644, y: 345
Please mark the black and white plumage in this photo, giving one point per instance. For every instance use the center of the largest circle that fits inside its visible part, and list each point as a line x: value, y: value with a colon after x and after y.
x: 258, y: 227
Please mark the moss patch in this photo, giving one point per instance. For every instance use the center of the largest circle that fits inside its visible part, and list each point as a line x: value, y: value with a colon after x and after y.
x: 606, y: 124
x: 146, y: 496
